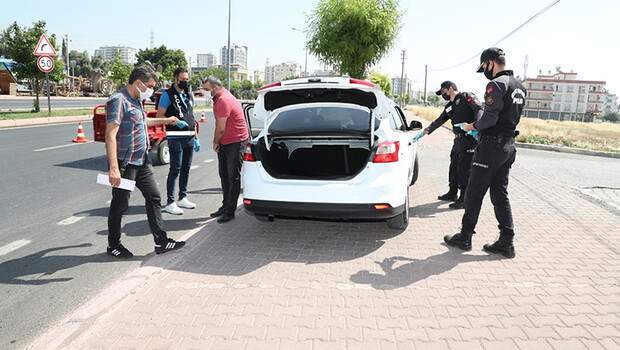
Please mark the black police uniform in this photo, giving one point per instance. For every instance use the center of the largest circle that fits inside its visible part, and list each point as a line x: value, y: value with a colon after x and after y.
x: 504, y: 101
x: 465, y: 108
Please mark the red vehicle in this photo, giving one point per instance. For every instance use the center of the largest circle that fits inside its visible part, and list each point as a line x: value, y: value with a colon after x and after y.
x: 156, y: 134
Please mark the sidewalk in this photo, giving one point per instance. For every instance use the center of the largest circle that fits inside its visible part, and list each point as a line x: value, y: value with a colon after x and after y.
x: 11, y: 123
x: 316, y: 285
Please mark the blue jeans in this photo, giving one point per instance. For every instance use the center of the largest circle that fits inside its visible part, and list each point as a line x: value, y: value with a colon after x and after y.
x: 181, y: 153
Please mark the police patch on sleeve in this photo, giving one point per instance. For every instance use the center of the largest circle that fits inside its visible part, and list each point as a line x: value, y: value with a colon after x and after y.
x: 488, y: 99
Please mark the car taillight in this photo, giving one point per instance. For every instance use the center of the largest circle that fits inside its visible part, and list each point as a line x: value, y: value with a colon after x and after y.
x: 248, y: 156
x: 361, y: 82
x: 382, y: 206
x: 387, y: 152
x: 247, y: 202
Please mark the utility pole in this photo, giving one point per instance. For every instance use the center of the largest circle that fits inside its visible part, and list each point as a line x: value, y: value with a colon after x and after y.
x: 425, y: 79
x: 69, y: 80
x: 402, y: 78
x: 228, y: 48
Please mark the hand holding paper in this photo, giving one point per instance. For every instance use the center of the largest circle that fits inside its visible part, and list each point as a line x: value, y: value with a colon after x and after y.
x: 125, y: 184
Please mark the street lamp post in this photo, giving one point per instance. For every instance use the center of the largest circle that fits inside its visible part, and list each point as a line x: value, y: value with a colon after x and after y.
x: 306, y: 47
x: 228, y: 47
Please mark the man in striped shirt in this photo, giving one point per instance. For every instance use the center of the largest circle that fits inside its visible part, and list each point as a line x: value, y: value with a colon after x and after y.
x: 127, y: 146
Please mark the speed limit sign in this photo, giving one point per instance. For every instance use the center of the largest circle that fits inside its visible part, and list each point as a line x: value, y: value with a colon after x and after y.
x: 45, y: 64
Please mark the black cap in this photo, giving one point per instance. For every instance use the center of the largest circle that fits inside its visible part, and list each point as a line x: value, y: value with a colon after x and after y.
x: 491, y: 54
x: 446, y: 85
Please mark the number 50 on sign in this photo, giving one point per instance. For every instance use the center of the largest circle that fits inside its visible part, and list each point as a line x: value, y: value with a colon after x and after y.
x: 45, y: 64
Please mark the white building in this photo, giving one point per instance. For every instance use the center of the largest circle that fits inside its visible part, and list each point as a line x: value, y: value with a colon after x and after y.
x: 206, y: 60
x: 257, y: 76
x: 238, y: 56
x: 611, y: 103
x: 562, y: 96
x: 401, y: 86
x: 127, y: 54
x: 281, y: 72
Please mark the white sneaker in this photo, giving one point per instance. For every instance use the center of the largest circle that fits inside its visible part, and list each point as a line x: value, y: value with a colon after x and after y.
x: 173, y: 209
x: 185, y: 203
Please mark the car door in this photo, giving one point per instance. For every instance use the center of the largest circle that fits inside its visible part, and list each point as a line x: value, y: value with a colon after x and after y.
x: 405, y: 137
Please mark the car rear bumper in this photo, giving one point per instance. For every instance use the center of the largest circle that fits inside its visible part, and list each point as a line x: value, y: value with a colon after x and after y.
x: 321, y: 210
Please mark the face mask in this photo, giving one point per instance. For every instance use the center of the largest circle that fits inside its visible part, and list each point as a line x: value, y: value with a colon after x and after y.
x: 183, y: 85
x: 488, y: 72
x: 445, y: 97
x: 145, y: 95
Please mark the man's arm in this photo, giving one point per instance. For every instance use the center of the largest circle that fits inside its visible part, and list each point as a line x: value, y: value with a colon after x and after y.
x: 110, y: 148
x: 443, y: 117
x: 161, y: 121
x: 493, y: 104
x: 220, y: 129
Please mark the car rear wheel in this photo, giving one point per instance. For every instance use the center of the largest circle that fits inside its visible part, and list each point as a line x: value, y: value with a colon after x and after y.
x: 401, y: 221
x: 163, y: 153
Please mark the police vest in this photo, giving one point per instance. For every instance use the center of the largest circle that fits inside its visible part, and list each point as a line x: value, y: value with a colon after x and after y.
x: 185, y: 112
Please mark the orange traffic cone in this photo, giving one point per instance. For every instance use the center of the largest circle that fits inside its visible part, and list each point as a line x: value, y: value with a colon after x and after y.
x: 202, y: 117
x: 80, y: 138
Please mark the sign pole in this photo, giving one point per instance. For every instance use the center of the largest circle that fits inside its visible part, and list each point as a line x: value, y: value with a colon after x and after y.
x: 49, y: 105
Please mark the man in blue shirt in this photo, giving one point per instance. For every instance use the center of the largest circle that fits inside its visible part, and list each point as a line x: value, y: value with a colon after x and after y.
x: 178, y: 102
x: 127, y: 144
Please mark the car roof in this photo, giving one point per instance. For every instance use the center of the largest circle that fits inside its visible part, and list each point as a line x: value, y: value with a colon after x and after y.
x: 320, y: 82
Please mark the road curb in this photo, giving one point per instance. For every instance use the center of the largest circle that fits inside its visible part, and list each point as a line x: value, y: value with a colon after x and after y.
x: 572, y: 150
x: 15, y: 123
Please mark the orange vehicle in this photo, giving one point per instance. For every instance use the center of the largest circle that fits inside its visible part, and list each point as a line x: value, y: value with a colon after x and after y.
x: 157, y: 134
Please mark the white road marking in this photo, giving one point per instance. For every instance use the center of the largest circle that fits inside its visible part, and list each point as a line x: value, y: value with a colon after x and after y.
x: 209, y: 161
x: 194, y: 167
x: 70, y: 220
x: 61, y: 146
x: 13, y: 246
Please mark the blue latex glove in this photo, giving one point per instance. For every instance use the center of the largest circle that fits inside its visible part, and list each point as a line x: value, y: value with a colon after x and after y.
x: 475, y: 134
x: 418, y: 136
x: 460, y: 125
x: 196, y: 145
x: 181, y: 124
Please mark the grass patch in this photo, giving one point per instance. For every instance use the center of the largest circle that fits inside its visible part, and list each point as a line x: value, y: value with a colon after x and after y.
x: 592, y: 136
x: 43, y: 113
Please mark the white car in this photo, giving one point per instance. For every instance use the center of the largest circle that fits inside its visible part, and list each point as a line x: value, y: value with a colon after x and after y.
x: 328, y: 148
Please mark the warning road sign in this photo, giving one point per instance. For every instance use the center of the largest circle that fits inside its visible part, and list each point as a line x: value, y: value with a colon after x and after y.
x: 45, y: 64
x: 44, y: 47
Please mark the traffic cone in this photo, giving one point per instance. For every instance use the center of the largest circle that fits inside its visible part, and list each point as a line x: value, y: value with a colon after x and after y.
x: 202, y: 117
x: 80, y: 138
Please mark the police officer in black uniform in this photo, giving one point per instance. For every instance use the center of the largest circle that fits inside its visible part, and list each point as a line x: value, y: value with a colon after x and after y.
x: 462, y: 107
x: 504, y: 99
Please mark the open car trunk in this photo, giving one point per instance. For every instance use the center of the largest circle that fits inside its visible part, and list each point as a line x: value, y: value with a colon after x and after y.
x: 314, y: 158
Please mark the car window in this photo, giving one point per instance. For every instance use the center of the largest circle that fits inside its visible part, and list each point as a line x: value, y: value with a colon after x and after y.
x: 401, y: 115
x: 316, y: 119
x: 395, y: 121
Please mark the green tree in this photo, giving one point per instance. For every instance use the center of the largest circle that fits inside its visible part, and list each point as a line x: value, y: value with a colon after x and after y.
x: 613, y: 117
x: 80, y: 63
x: 383, y: 81
x: 352, y: 35
x: 198, y: 77
x: 119, y: 71
x: 163, y: 59
x: 17, y: 43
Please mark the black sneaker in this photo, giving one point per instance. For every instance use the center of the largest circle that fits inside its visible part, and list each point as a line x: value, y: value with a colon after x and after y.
x: 219, y: 212
x: 120, y: 252
x: 459, y: 203
x: 503, y: 246
x: 225, y: 218
x: 449, y: 196
x: 171, y: 244
x: 459, y: 240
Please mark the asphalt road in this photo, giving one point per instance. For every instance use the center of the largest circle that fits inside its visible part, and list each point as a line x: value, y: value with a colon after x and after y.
x: 59, y: 103
x: 53, y: 224
x: 53, y: 218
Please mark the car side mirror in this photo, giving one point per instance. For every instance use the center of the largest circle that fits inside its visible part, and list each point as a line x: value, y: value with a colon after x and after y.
x: 415, y: 125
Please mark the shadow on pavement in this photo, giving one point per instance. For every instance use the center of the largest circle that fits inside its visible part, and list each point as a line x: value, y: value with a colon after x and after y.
x: 141, y: 228
x: 103, y: 212
x: 99, y: 163
x: 429, y: 210
x: 207, y: 191
x: 41, y: 263
x: 414, y: 270
x: 245, y: 244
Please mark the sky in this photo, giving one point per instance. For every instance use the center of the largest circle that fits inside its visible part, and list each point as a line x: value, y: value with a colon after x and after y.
x: 576, y: 35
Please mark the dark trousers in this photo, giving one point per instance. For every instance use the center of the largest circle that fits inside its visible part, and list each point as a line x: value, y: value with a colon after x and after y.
x: 145, y: 182
x: 230, y: 160
x: 490, y: 170
x: 460, y: 162
x: 181, y: 154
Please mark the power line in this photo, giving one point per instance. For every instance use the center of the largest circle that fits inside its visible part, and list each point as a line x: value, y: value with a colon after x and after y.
x: 545, y: 9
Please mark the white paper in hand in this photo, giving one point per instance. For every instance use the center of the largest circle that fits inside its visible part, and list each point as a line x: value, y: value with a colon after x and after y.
x: 128, y: 185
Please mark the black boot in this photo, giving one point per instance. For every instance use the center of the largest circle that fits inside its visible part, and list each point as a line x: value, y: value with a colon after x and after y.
x: 459, y: 240
x: 502, y: 246
x: 449, y: 196
x: 459, y: 203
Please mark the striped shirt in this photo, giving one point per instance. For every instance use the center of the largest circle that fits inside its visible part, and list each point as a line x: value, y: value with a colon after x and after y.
x: 131, y: 140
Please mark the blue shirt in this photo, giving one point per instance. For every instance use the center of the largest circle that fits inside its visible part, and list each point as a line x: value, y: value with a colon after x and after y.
x: 131, y: 140
x: 164, y: 102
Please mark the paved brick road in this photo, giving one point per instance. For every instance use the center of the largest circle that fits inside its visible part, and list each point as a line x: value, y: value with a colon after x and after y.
x: 315, y: 285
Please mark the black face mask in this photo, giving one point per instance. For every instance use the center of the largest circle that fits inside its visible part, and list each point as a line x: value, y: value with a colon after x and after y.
x: 445, y: 97
x: 183, y: 85
x: 488, y: 73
